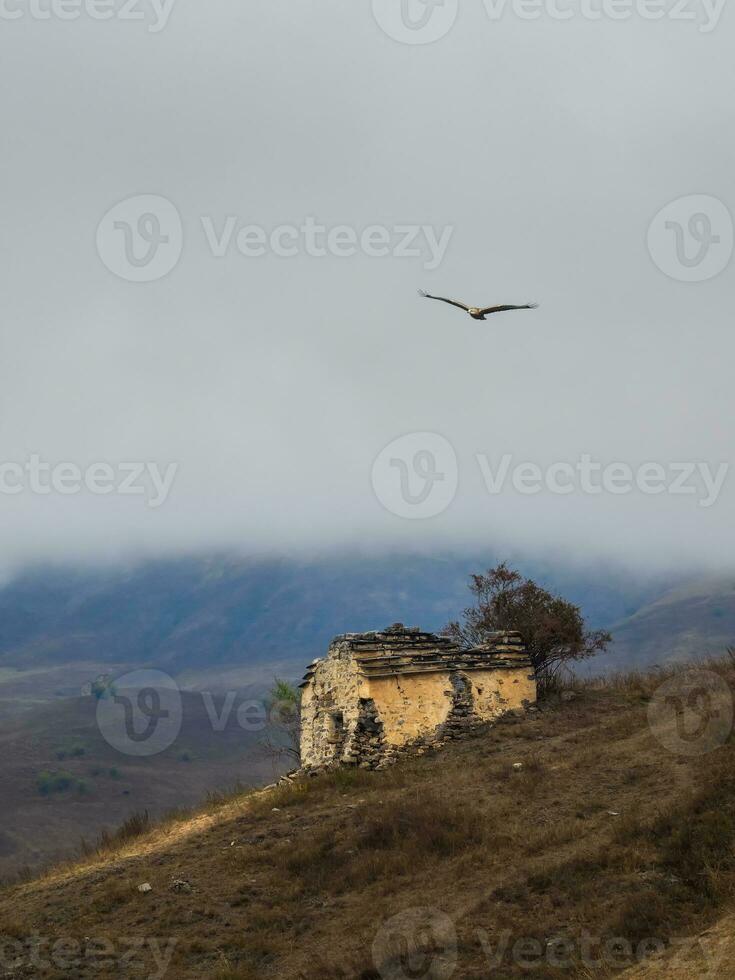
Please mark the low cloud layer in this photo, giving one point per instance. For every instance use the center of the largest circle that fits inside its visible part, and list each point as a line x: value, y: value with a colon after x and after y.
x: 281, y: 388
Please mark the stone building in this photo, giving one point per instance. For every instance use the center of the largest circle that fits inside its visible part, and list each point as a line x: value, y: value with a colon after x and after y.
x: 378, y: 694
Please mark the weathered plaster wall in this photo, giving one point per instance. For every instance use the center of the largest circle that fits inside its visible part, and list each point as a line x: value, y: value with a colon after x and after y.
x: 410, y: 705
x: 497, y: 691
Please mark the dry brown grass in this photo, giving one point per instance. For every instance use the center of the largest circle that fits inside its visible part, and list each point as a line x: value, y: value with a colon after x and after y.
x: 601, y: 830
x: 112, y: 894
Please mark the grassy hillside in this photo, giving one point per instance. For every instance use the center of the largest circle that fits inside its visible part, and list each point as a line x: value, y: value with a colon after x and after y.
x: 707, y: 956
x: 690, y: 621
x: 218, y: 624
x: 60, y: 781
x: 601, y: 835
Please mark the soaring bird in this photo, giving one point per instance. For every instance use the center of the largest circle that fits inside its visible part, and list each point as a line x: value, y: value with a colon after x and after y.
x: 477, y: 312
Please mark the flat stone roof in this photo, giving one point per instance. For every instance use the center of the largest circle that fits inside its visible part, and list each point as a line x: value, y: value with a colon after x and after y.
x: 398, y: 649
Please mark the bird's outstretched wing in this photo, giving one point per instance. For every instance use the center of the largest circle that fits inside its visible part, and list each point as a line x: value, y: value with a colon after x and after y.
x: 503, y: 309
x: 443, y: 299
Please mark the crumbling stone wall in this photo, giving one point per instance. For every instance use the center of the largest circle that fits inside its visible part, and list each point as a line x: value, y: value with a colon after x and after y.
x: 378, y: 694
x: 330, y: 707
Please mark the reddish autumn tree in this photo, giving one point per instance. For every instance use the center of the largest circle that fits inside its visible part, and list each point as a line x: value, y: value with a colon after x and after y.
x: 553, y: 629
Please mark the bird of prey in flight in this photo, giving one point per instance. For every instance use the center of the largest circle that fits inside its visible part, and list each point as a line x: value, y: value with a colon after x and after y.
x: 477, y: 312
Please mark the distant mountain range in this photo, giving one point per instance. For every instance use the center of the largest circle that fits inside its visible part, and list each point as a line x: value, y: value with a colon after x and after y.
x: 222, y: 612
x: 686, y: 623
x: 225, y: 617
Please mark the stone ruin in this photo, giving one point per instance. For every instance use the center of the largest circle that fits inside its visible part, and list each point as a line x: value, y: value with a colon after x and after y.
x: 379, y: 694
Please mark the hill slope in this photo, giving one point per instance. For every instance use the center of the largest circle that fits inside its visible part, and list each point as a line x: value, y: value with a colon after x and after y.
x: 60, y: 781
x: 218, y: 624
x: 693, y: 620
x: 451, y: 859
x: 708, y: 956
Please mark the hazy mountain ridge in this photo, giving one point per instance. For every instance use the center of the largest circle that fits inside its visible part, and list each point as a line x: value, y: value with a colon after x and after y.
x: 224, y: 612
x: 686, y: 623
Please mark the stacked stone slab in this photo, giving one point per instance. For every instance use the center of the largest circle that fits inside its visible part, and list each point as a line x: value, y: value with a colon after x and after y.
x: 379, y: 694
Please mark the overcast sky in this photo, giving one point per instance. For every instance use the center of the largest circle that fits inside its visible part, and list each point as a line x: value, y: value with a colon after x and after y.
x: 540, y: 150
